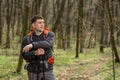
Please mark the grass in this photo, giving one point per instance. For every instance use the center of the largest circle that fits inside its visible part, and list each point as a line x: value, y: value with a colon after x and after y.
x: 8, y: 66
x: 63, y: 60
x: 107, y: 72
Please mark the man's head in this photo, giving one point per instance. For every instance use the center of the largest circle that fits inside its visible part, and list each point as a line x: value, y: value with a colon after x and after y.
x: 38, y: 23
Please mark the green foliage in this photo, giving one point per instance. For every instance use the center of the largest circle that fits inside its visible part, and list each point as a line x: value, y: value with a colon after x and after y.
x: 63, y: 61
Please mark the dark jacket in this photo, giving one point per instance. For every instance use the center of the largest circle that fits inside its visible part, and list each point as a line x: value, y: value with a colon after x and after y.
x: 38, y: 42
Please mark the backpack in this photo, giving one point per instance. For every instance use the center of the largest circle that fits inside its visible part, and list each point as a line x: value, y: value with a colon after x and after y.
x: 29, y: 40
x: 46, y: 31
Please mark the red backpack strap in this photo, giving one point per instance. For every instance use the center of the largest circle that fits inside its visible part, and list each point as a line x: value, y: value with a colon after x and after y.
x: 46, y: 31
x: 30, y: 34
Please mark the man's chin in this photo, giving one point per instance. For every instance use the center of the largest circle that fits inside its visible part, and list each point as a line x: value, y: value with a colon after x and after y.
x: 40, y: 30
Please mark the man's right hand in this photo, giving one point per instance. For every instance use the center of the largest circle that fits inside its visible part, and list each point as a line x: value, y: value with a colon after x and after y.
x: 40, y: 51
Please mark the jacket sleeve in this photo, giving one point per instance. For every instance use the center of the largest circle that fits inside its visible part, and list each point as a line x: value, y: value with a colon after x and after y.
x: 47, y: 43
x: 28, y: 55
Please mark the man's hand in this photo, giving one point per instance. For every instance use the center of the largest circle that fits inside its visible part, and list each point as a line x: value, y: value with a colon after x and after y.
x: 40, y: 51
x: 27, y: 48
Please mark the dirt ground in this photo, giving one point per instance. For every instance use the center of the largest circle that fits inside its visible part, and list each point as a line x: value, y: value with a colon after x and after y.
x: 70, y: 72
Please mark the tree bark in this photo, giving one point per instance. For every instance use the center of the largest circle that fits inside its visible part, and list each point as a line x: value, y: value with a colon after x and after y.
x: 44, y: 10
x: 0, y: 22
x: 68, y: 25
x: 102, y: 26
x: 81, y: 25
x: 60, y: 13
x: 13, y: 18
x: 8, y: 18
x: 111, y: 28
x: 79, y: 29
x: 36, y: 7
x: 24, y: 29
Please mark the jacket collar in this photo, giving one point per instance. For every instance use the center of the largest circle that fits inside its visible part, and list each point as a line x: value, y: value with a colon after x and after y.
x: 34, y: 34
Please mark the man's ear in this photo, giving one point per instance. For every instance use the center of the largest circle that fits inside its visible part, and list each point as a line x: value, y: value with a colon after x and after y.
x: 33, y: 25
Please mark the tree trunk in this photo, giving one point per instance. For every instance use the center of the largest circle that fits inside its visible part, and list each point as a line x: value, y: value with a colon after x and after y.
x: 93, y: 18
x: 24, y: 29
x: 81, y: 25
x: 59, y: 42
x: 13, y: 18
x: 101, y: 40
x: 68, y: 25
x: 102, y: 27
x: 0, y: 22
x: 57, y: 26
x: 36, y: 7
x: 79, y: 29
x: 60, y: 13
x: 111, y: 28
x: 18, y: 30
x: 117, y: 39
x: 8, y: 18
x: 44, y: 10
x: 107, y: 36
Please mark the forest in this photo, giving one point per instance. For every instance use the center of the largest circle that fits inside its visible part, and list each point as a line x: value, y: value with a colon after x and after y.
x: 87, y: 42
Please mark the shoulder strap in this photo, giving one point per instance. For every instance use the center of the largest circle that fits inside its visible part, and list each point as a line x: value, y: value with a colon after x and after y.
x: 46, y: 31
x: 30, y: 34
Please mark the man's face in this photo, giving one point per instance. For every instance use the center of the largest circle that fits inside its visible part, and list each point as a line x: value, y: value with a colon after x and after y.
x: 39, y: 25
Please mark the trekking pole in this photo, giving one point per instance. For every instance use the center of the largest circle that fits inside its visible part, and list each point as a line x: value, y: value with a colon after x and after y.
x: 43, y: 78
x: 113, y: 65
x: 38, y: 74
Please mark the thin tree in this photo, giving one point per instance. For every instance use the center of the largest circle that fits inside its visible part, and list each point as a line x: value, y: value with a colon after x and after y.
x: 44, y: 10
x: 0, y: 22
x: 36, y: 7
x: 112, y: 40
x: 81, y: 25
x: 58, y: 25
x: 68, y: 25
x: 19, y: 11
x: 60, y: 13
x: 13, y: 17
x: 8, y: 20
x: 101, y: 13
x: 24, y: 29
x: 111, y: 29
x: 79, y: 28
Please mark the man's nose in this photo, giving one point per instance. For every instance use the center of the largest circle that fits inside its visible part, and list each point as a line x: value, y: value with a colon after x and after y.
x: 42, y: 24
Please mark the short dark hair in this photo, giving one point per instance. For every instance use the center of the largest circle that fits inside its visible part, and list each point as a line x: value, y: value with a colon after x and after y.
x: 34, y: 18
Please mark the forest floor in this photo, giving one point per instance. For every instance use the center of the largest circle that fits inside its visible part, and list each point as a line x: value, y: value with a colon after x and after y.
x: 70, y: 73
x: 91, y: 65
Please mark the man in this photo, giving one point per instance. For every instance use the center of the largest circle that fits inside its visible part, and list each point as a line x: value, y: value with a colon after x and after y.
x: 37, y: 49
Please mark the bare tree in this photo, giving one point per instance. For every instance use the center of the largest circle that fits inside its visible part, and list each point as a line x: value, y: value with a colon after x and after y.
x: 68, y: 25
x: 79, y: 29
x: 111, y: 29
x: 36, y: 7
x: 8, y: 19
x: 58, y: 26
x: 102, y: 25
x: 24, y: 29
x: 81, y: 25
x: 44, y: 10
x: 19, y: 11
x: 13, y: 15
x: 60, y: 13
x: 0, y: 22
